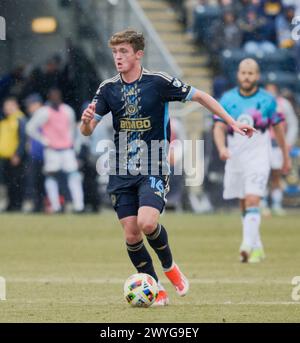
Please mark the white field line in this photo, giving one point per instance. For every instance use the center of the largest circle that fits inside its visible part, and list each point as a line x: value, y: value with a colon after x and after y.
x: 116, y: 301
x: 111, y: 300
x: 116, y: 281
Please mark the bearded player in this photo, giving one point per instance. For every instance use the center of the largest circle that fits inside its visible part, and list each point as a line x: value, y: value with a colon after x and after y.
x: 248, y: 161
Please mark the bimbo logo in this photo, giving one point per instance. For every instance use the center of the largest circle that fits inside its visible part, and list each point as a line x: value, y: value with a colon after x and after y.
x: 2, y: 28
x: 296, y: 29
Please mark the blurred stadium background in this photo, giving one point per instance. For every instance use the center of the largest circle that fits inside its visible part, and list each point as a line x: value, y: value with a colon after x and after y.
x: 63, y: 44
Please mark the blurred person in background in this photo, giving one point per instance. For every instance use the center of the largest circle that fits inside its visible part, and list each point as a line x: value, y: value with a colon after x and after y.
x: 12, y: 152
x: 242, y: 6
x: 288, y: 32
x: 295, y: 3
x: 33, y: 83
x: 190, y: 6
x: 51, y: 75
x: 270, y: 8
x: 35, y: 176
x: 54, y: 126
x: 176, y: 153
x: 291, y: 130
x: 257, y: 32
x: 248, y: 162
x: 284, y: 27
x: 90, y: 149
x: 12, y: 83
x: 225, y: 34
x: 288, y: 94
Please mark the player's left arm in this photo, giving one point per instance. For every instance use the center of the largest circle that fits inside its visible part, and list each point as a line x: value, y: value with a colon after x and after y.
x: 291, y: 124
x: 214, y: 107
x: 279, y: 132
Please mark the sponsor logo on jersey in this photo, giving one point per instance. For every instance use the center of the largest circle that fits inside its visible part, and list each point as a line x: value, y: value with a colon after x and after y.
x: 177, y: 83
x: 131, y: 109
x: 184, y: 88
x: 135, y: 124
x: 246, y: 119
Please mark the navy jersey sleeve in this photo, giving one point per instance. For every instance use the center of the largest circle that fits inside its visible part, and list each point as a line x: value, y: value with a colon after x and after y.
x: 172, y: 89
x: 102, y: 106
x: 274, y: 116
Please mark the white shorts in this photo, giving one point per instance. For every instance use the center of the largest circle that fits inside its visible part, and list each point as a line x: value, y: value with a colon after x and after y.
x: 60, y: 160
x: 276, y: 158
x: 239, y: 183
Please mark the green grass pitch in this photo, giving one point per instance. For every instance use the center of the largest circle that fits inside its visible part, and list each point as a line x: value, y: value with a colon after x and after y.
x: 72, y: 268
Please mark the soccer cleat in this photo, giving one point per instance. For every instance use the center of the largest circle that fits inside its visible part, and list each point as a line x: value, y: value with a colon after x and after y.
x: 257, y: 255
x: 179, y: 281
x: 244, y: 253
x: 244, y: 256
x: 278, y: 211
x: 162, y: 298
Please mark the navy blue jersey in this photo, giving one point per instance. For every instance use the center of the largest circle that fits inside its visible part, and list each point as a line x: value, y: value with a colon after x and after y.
x: 140, y: 114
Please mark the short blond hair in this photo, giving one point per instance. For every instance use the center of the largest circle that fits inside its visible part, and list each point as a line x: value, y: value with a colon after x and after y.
x: 130, y: 36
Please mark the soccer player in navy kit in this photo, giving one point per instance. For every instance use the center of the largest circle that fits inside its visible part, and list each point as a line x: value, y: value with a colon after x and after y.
x: 138, y: 100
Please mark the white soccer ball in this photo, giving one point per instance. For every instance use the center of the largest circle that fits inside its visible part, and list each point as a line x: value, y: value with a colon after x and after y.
x: 140, y: 290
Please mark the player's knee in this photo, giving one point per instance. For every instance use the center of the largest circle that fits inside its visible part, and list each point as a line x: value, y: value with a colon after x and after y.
x: 147, y: 225
x: 252, y: 201
x: 275, y: 182
x: 133, y: 238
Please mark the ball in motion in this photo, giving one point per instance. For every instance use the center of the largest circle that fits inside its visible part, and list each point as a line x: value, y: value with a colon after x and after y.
x: 140, y: 290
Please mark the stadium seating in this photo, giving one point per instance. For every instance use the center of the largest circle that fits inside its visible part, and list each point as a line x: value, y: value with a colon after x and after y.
x: 278, y: 67
x: 204, y: 16
x: 282, y: 60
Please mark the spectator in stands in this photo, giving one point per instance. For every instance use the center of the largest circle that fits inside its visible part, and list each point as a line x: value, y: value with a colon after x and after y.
x: 52, y: 76
x: 225, y: 33
x: 12, y: 152
x: 88, y: 158
x: 241, y: 6
x: 295, y: 3
x: 270, y: 8
x: 288, y: 94
x: 190, y: 7
x: 54, y: 126
x: 227, y: 5
x: 12, y: 83
x: 79, y: 79
x: 35, y: 176
x: 284, y: 27
x: 256, y: 33
x: 33, y: 83
x: 176, y: 153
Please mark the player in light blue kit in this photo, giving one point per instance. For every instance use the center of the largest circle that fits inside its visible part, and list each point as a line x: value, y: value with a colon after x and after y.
x: 248, y: 160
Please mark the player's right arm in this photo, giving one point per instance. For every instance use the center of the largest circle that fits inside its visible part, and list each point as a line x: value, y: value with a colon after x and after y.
x: 92, y: 115
x: 88, y: 122
x: 219, y: 133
